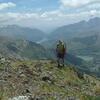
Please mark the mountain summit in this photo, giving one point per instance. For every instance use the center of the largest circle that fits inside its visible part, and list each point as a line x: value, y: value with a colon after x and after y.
x: 42, y: 80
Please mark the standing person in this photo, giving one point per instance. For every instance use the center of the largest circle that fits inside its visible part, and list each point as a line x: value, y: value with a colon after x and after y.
x: 60, y: 51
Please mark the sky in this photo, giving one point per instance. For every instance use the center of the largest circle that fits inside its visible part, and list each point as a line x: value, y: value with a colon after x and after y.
x: 47, y: 14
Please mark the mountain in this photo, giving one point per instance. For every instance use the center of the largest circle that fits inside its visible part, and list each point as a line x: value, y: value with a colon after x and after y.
x: 77, y: 30
x: 83, y: 28
x: 21, y: 48
x: 43, y: 80
x: 88, y: 45
x: 26, y: 33
x: 87, y: 48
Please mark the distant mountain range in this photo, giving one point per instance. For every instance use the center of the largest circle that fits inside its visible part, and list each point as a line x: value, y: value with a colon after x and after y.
x: 83, y: 28
x: 14, y: 31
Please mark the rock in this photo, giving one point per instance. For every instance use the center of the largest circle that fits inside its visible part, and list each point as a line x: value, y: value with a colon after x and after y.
x: 38, y: 98
x: 31, y: 98
x: 22, y: 75
x: 20, y: 98
x: 46, y: 78
x: 27, y: 91
x: 3, y: 60
x: 38, y: 67
x: 25, y: 82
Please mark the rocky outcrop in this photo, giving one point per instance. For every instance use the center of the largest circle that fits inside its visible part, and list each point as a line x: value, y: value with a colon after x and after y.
x: 42, y: 80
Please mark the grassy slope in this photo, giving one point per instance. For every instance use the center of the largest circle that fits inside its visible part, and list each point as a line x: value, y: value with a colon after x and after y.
x: 59, y: 83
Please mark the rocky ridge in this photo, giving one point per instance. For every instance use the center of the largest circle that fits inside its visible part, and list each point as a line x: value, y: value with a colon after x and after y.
x: 43, y: 80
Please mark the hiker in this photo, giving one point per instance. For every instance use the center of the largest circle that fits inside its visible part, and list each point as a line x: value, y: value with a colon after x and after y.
x: 60, y: 50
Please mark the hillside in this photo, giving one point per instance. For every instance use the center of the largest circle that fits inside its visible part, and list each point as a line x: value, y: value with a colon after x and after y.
x: 83, y: 28
x: 89, y: 45
x: 87, y: 48
x: 14, y: 31
x: 42, y: 80
x: 21, y: 48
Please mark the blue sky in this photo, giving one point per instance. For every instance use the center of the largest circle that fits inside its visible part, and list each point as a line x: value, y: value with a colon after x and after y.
x: 33, y: 5
x: 47, y: 14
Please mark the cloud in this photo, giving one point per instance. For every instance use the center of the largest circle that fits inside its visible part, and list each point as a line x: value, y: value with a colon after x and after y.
x: 7, y: 5
x: 46, y: 20
x: 77, y: 3
x: 51, y: 16
x: 94, y: 6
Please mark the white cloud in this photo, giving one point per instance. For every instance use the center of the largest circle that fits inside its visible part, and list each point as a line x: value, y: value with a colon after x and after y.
x: 94, y: 6
x: 50, y: 19
x: 7, y: 5
x: 77, y: 3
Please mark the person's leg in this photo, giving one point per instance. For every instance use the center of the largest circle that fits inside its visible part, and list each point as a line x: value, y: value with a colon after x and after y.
x: 58, y: 61
x: 63, y: 62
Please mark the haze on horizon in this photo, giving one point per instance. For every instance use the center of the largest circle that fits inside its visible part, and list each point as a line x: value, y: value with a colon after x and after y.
x: 47, y: 14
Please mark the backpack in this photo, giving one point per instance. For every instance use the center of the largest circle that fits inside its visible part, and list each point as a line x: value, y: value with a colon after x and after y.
x: 61, y: 48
